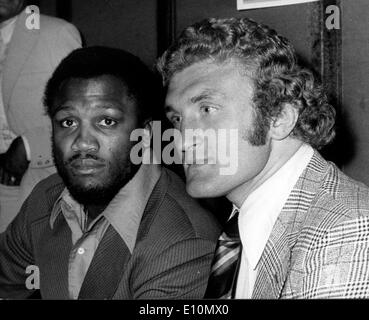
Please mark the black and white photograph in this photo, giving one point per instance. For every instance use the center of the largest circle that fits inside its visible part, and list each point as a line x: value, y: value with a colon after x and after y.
x: 164, y: 152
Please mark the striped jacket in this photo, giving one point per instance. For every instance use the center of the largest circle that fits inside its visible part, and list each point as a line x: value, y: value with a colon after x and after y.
x: 319, y: 245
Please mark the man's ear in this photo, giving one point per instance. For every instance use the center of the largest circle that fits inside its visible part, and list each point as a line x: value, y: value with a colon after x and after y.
x: 282, y: 126
x: 146, y: 140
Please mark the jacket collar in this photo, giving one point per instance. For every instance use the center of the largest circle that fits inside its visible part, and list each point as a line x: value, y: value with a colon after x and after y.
x: 260, y: 210
x: 112, y: 254
x: 125, y: 210
x: 112, y: 251
x: 275, y: 260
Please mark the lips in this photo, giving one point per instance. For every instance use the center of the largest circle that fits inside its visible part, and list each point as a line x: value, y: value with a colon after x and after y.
x: 198, y: 161
x: 86, y: 166
x: 191, y: 169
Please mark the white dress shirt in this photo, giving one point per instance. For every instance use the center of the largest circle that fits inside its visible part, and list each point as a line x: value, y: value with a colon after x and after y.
x: 258, y: 214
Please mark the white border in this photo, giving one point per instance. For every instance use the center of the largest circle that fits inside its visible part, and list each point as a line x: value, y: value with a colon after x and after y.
x: 253, y: 4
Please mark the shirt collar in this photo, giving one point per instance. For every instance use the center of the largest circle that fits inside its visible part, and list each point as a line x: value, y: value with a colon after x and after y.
x: 7, y: 29
x: 125, y: 211
x: 260, y: 210
x: 65, y: 198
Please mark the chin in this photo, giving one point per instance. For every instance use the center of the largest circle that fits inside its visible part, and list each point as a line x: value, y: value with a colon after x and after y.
x: 202, y: 189
x: 88, y: 182
x: 98, y: 194
x: 203, y: 181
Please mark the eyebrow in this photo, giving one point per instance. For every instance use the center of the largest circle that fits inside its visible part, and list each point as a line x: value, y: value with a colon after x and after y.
x: 61, y: 107
x: 168, y: 109
x: 206, y: 94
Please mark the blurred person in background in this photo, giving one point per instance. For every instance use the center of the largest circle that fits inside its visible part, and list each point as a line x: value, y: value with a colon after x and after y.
x: 28, y: 56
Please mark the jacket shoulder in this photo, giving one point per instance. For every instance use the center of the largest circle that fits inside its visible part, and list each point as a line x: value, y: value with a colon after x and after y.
x: 43, y: 195
x: 332, y: 240
x: 345, y: 196
x: 175, y: 216
x: 338, y: 201
x: 53, y: 23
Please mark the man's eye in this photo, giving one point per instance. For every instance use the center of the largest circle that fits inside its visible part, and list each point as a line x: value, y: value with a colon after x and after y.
x: 107, y: 122
x: 207, y: 109
x: 175, y: 119
x: 68, y: 123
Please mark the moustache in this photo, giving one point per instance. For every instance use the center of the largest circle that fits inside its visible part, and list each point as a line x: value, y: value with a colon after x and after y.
x: 81, y: 157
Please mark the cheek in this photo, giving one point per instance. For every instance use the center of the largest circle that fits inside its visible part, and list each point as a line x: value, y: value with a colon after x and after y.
x: 117, y: 149
x: 61, y: 144
x: 252, y: 159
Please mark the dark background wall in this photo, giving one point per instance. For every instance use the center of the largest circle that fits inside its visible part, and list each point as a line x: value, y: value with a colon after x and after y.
x: 355, y: 84
x: 129, y: 24
x: 132, y: 24
x: 126, y: 24
x: 342, y: 56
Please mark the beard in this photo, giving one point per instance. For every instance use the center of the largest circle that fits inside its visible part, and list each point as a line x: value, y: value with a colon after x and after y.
x: 120, y: 172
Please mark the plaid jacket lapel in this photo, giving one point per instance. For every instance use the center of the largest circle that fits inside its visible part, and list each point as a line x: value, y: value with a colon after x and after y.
x: 274, y: 264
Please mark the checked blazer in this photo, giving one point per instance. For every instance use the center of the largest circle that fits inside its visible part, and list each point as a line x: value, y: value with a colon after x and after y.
x: 319, y: 245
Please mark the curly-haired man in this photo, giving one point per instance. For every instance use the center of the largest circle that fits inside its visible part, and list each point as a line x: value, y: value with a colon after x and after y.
x: 299, y: 227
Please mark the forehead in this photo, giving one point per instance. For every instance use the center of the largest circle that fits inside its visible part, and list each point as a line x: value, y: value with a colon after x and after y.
x: 104, y: 91
x: 102, y: 86
x: 223, y: 80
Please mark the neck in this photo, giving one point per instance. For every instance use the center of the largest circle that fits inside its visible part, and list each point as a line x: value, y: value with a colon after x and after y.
x: 95, y: 210
x: 281, y: 152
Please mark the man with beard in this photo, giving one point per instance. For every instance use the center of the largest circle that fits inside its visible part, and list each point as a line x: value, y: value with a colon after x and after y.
x: 106, y: 228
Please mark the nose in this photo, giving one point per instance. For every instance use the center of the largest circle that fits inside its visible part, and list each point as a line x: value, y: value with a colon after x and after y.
x: 85, y: 140
x: 192, y: 136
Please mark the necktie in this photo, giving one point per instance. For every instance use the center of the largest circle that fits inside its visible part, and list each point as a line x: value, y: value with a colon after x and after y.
x: 221, y: 284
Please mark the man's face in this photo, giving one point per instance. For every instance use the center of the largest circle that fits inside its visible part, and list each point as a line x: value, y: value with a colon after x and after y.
x: 205, y: 96
x: 10, y: 8
x: 92, y: 123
